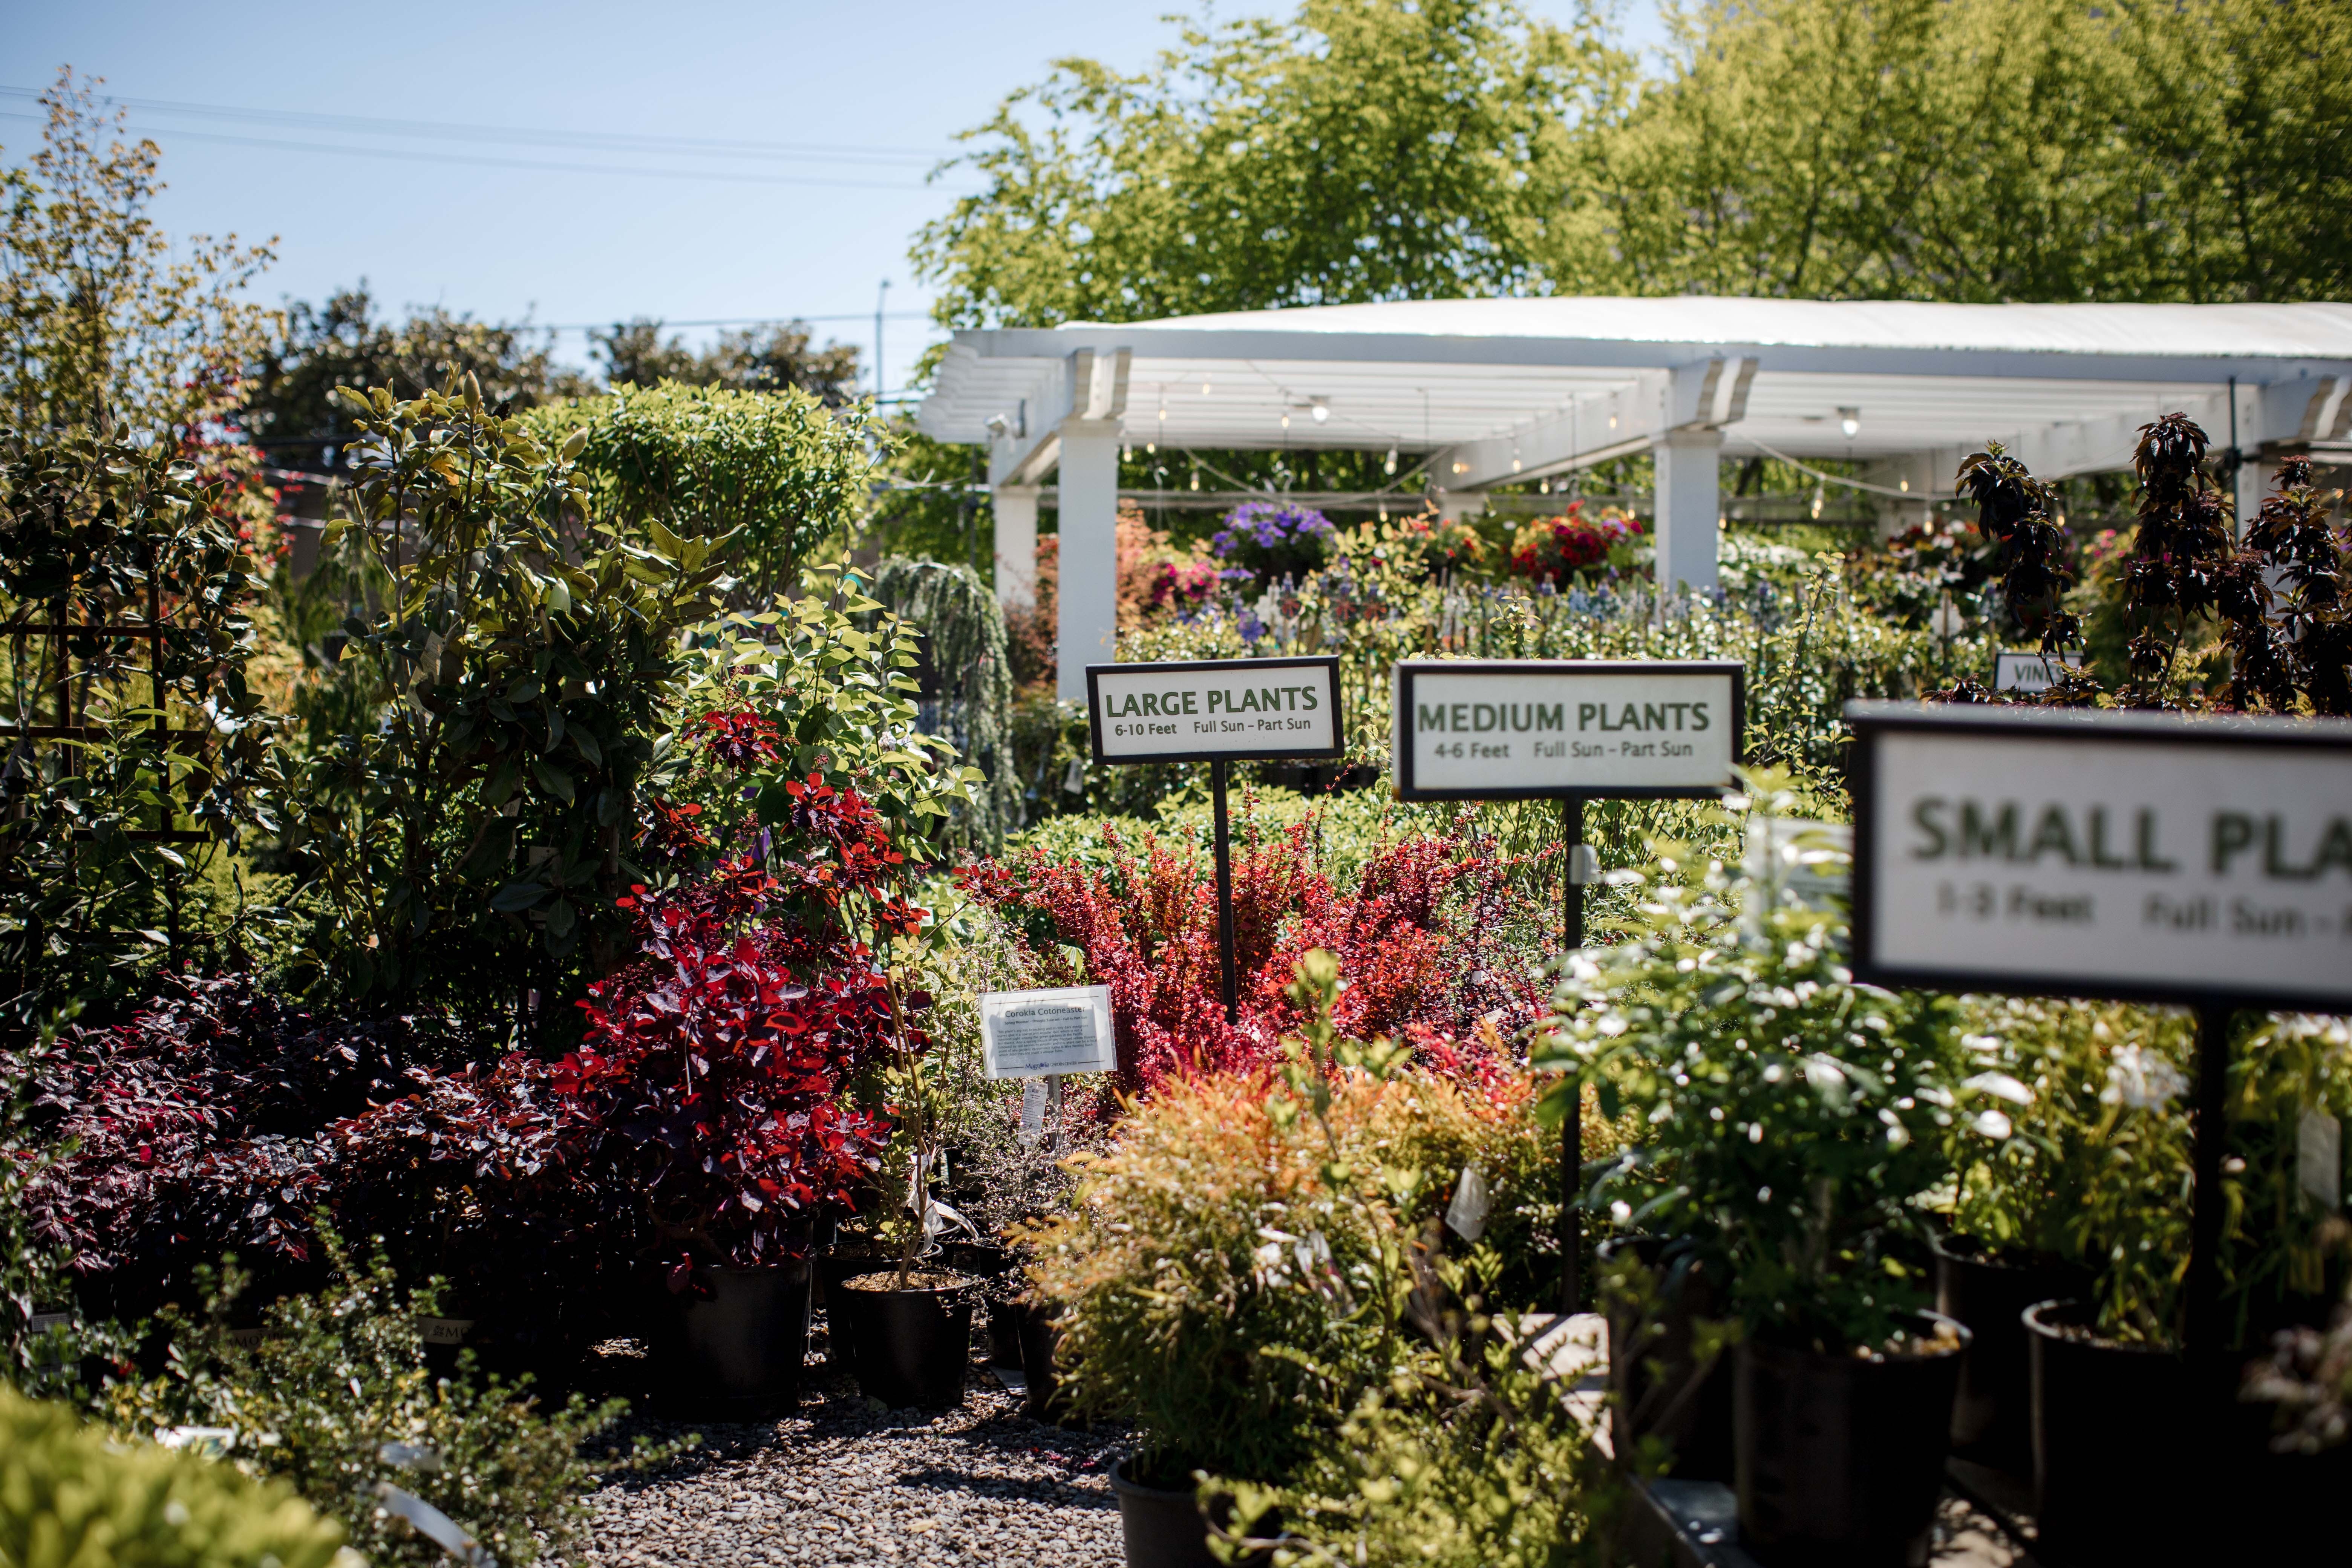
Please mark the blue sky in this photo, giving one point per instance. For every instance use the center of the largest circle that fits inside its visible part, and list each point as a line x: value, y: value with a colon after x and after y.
x: 864, y: 96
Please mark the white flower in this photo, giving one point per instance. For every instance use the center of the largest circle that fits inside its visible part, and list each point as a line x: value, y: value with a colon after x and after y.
x: 2001, y: 1086
x: 2141, y: 1079
x: 1991, y: 1123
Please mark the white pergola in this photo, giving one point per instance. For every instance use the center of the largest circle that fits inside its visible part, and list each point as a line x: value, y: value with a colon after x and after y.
x: 1502, y: 391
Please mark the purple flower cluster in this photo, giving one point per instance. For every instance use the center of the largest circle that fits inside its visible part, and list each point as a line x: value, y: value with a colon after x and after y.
x: 1269, y: 526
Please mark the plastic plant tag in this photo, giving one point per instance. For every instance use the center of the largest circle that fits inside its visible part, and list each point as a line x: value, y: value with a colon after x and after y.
x: 435, y: 1525
x: 1583, y: 866
x: 1467, y: 1215
x: 1033, y: 1110
x: 2319, y: 1158
x: 444, y: 1330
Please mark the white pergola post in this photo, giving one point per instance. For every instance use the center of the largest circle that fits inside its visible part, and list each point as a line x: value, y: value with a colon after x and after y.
x: 1689, y: 507
x: 1016, y: 544
x: 1087, y: 612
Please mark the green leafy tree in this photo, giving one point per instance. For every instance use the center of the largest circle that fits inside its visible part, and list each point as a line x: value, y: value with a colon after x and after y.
x: 1359, y: 150
x: 518, y: 657
x: 103, y: 315
x: 1978, y: 150
x: 290, y: 408
x: 767, y: 357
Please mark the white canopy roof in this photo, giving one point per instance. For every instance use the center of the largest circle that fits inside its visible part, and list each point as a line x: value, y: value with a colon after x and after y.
x: 1507, y: 389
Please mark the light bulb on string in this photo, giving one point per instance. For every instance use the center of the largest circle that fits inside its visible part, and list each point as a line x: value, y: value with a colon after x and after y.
x: 1321, y: 411
x: 1204, y: 388
x: 1389, y: 467
x: 1850, y: 421
x: 1821, y: 493
x: 1286, y: 418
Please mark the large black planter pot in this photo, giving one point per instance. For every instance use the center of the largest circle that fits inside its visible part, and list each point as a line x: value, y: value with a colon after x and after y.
x: 1040, y: 1336
x: 1839, y: 1458
x: 1163, y: 1526
x: 735, y: 1353
x: 2126, y: 1455
x: 987, y: 1261
x: 910, y: 1347
x: 846, y: 1260
x: 1659, y: 1391
x: 1992, y: 1415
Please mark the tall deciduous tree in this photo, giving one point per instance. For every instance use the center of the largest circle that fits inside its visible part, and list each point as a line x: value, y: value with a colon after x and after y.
x: 100, y: 309
x: 1360, y: 150
x: 1987, y: 150
x: 292, y: 409
x: 768, y: 357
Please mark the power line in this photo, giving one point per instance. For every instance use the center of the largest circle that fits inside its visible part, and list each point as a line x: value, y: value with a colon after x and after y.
x: 545, y: 136
x: 409, y: 154
x: 733, y: 320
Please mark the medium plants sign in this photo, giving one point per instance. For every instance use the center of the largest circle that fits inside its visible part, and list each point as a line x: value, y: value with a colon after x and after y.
x: 2150, y: 856
x: 1543, y: 730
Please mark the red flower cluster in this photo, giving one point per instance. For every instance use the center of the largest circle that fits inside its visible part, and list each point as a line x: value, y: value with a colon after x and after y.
x: 739, y: 739
x: 1416, y: 939
x: 1179, y: 583
x: 1555, y: 548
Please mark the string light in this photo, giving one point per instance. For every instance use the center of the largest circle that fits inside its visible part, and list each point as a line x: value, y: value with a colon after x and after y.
x: 1205, y: 388
x: 1820, y: 494
x: 1850, y: 421
x: 1286, y: 418
x: 1322, y: 410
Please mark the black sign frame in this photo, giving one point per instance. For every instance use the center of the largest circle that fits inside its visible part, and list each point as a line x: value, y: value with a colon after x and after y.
x: 1872, y: 720
x: 1332, y: 753
x: 1407, y: 789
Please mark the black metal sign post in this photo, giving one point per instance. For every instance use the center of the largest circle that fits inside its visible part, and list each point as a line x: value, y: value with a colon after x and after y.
x: 2201, y: 861
x: 1570, y: 731
x: 1217, y: 711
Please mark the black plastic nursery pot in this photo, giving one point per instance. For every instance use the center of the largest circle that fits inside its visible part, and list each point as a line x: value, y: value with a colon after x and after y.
x: 1041, y: 1336
x: 987, y: 1261
x: 732, y: 1345
x: 1987, y: 1293
x: 2125, y: 1471
x: 1163, y: 1526
x: 910, y: 1347
x: 1839, y: 1458
x: 1660, y: 1390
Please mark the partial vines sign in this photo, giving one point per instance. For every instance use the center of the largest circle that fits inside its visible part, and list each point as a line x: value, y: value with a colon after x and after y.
x: 2153, y: 855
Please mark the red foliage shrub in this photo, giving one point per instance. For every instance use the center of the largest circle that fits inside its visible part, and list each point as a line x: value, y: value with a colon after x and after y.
x: 1418, y: 940
x: 740, y: 739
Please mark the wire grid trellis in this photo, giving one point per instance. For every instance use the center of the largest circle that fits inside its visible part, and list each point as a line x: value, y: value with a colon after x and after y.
x: 73, y: 642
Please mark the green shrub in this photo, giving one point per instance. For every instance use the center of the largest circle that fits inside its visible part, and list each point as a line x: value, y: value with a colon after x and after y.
x: 2098, y: 1172
x: 1474, y: 1456
x: 71, y: 1497
x: 336, y: 1377
x: 1792, y: 1119
x: 779, y: 469
x: 1235, y: 1273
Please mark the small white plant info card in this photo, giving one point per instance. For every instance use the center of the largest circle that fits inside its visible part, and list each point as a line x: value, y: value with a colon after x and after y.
x: 1045, y: 1034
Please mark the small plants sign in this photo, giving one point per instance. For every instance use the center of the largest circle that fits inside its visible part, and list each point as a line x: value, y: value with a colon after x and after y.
x: 2137, y: 855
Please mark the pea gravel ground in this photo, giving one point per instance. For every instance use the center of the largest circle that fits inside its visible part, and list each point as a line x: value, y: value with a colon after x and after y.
x: 842, y: 1481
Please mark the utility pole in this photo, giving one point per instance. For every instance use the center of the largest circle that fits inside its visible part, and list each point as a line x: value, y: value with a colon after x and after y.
x: 881, y: 298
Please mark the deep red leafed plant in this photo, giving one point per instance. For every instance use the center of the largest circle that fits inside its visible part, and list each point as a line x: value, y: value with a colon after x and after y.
x: 713, y: 1068
x: 741, y: 741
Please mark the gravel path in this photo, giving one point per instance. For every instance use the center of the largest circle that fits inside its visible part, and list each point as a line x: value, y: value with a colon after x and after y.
x: 841, y: 1481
